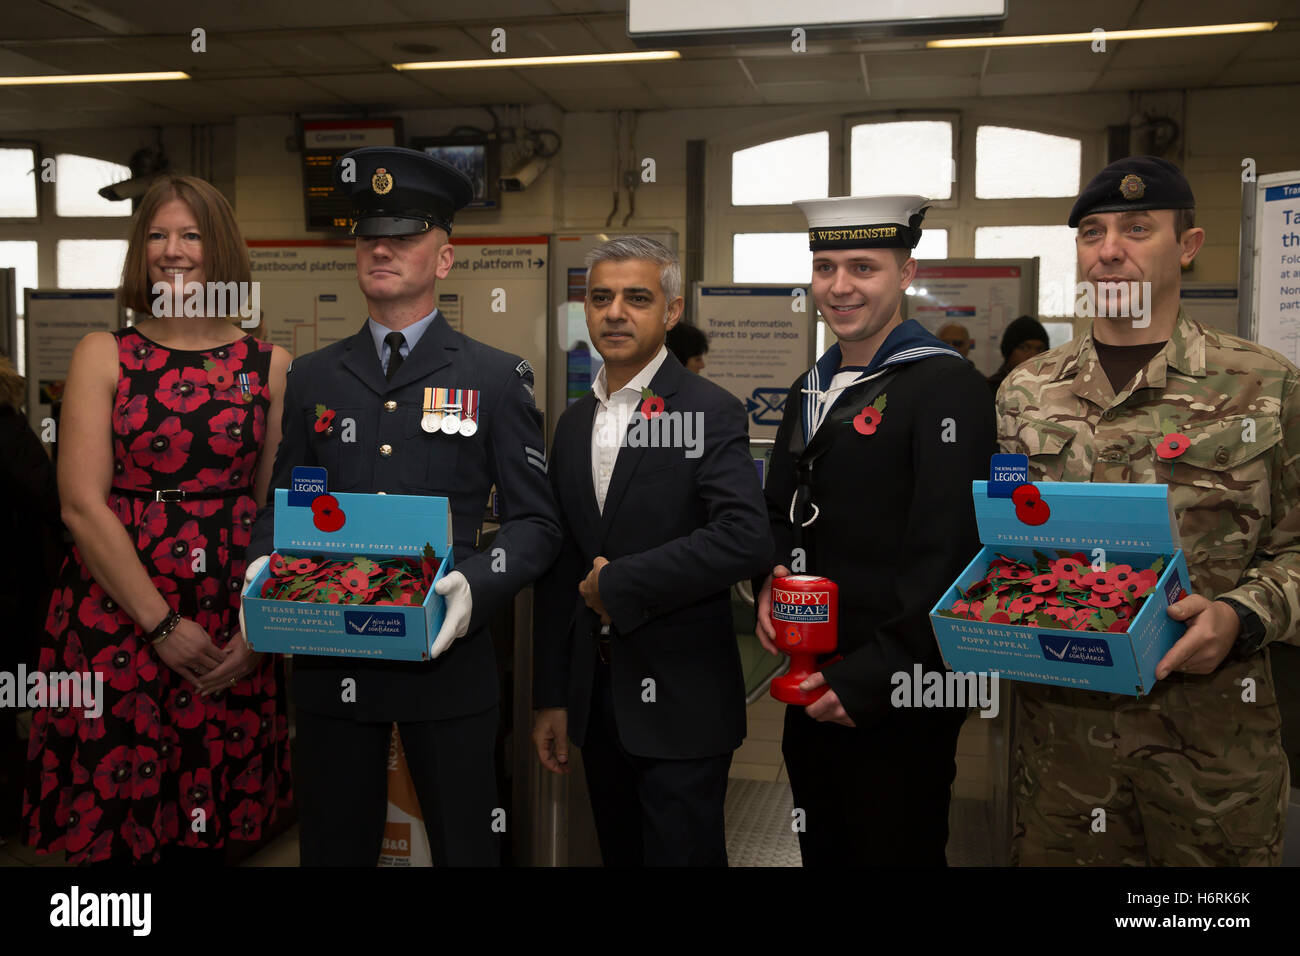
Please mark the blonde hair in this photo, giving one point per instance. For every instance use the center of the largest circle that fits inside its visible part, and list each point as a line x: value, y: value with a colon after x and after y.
x: 13, y: 387
x: 225, y: 256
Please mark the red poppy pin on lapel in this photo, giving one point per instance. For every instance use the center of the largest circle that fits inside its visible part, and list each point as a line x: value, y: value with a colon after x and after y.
x: 652, y: 405
x: 324, y: 419
x: 868, y: 420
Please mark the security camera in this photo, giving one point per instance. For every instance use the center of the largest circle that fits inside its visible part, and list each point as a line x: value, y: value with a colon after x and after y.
x: 132, y: 188
x: 525, y: 175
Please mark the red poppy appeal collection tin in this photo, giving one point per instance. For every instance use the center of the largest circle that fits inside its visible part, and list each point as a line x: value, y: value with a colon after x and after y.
x: 805, y: 617
x: 1071, y: 587
x: 350, y: 525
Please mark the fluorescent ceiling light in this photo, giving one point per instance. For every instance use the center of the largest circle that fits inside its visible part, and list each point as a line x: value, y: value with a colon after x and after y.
x: 90, y: 78
x: 1211, y: 29
x: 516, y: 61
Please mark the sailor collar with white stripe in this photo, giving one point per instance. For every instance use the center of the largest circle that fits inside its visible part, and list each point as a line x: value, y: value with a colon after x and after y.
x: 910, y: 342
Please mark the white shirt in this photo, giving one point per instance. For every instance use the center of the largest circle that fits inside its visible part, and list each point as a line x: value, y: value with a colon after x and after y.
x: 839, y: 383
x: 613, y: 413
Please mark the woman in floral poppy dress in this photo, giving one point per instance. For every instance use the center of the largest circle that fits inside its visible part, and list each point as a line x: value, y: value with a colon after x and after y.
x: 168, y: 434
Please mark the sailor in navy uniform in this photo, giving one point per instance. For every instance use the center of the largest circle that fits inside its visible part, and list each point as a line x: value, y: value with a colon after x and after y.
x: 389, y: 433
x: 870, y: 486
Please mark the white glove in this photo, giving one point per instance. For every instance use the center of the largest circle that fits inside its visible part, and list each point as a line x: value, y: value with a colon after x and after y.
x: 250, y: 575
x: 455, y: 622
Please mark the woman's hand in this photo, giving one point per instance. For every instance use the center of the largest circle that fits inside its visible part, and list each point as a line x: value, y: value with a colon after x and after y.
x: 189, y: 651
x: 240, y: 661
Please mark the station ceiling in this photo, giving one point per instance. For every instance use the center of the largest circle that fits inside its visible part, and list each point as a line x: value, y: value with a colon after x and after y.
x: 333, y: 56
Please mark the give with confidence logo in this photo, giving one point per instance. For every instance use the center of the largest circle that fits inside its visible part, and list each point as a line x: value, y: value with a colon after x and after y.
x: 1075, y: 650
x: 374, y: 623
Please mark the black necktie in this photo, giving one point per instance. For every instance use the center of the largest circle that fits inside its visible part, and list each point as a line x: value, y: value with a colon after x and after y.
x: 395, y: 341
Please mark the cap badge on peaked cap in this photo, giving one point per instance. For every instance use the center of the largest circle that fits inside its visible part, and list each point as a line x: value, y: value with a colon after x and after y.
x: 382, y: 181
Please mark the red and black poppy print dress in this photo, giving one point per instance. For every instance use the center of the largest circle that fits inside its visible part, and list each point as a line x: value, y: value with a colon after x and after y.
x: 135, y: 778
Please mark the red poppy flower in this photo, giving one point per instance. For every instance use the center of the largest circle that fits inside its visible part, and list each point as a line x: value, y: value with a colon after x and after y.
x: 1017, y: 573
x: 325, y: 420
x: 183, y: 389
x: 246, y: 819
x: 652, y: 407
x: 328, y: 517
x: 867, y: 420
x: 141, y: 839
x: 1068, y: 568
x: 175, y: 556
x: 251, y: 780
x: 1119, y: 627
x: 1119, y: 574
x: 114, y: 772
x: 279, y: 566
x: 81, y: 821
x: 142, y: 356
x: 195, y: 791
x: 185, y: 708
x: 131, y: 416
x: 1044, y: 583
x: 220, y: 377
x: 1033, y: 511
x: 169, y: 749
x: 960, y: 607
x: 235, y: 738
x: 49, y: 773
x: 1108, y: 599
x: 228, y: 427
x: 999, y: 617
x: 1025, y: 603
x: 165, y: 449
x: 138, y: 709
x: 356, y: 580
x: 1173, y: 445
x: 100, y: 612
x: 302, y: 566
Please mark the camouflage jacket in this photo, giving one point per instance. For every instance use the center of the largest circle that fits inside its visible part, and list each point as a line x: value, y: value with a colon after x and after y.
x: 1236, y: 488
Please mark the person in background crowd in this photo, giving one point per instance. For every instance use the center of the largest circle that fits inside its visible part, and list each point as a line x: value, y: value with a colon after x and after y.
x: 957, y: 336
x: 689, y: 344
x: 170, y: 429
x: 1023, y: 339
x: 33, y: 547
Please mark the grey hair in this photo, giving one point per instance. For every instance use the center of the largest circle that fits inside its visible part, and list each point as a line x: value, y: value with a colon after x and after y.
x: 640, y: 247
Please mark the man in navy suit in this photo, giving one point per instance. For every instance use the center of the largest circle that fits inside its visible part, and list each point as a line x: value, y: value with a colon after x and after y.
x: 419, y: 409
x: 635, y: 654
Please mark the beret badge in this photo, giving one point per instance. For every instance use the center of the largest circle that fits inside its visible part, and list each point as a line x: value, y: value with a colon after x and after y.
x: 1130, y: 187
x: 382, y: 182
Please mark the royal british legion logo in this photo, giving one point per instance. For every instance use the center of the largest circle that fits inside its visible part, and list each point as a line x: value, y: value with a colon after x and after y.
x: 801, y: 606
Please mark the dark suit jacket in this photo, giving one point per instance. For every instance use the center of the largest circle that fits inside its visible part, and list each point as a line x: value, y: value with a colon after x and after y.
x: 348, y: 378
x: 678, y: 531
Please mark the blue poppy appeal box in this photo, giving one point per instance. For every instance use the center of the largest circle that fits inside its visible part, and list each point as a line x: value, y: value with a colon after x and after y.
x: 376, y: 526
x: 1108, y: 524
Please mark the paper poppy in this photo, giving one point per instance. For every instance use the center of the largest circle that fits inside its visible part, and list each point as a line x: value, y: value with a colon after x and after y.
x: 1068, y: 568
x: 1105, y: 599
x: 1173, y: 445
x: 1043, y: 583
x: 999, y: 617
x: 326, y: 513
x: 1030, y: 506
x: 220, y: 376
x: 324, y: 419
x: 867, y: 421
x: 302, y: 565
x: 652, y: 405
x: 355, y: 580
x: 1119, y: 574
x: 1025, y: 603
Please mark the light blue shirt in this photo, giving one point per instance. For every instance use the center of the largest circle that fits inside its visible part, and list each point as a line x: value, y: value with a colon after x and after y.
x: 412, y: 334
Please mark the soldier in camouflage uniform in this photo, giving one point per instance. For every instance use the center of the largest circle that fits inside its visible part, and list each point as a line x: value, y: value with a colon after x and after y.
x: 1193, y: 773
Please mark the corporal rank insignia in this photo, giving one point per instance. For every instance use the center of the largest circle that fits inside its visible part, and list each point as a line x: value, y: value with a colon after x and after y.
x: 1132, y: 187
x: 523, y: 368
x: 381, y: 182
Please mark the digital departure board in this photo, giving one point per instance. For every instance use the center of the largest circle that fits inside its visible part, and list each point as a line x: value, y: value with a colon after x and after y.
x: 323, y: 142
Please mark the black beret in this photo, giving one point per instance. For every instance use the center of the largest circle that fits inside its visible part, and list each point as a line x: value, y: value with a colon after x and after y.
x: 401, y: 192
x: 1138, y: 182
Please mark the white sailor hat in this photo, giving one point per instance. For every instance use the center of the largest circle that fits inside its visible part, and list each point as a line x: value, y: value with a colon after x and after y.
x: 864, y: 222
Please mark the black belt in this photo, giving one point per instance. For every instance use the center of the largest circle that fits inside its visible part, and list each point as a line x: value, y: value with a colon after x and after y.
x: 176, y: 494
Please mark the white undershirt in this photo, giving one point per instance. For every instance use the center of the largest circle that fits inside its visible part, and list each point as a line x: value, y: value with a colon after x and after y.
x: 613, y: 413
x: 839, y: 383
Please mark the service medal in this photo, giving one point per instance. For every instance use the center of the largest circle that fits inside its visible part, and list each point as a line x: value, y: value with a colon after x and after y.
x: 451, y: 424
x: 468, y: 427
x: 431, y: 422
